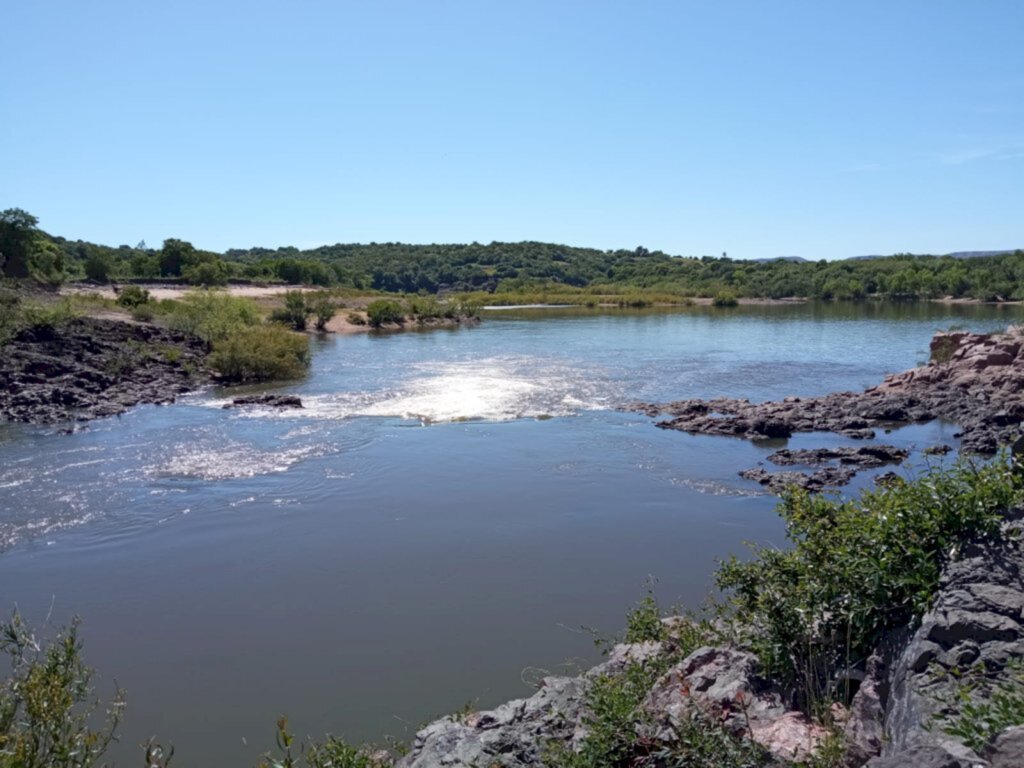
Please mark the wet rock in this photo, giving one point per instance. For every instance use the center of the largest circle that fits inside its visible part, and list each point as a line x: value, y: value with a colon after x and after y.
x: 778, y: 482
x: 976, y: 383
x: 865, y: 457
x: 266, y: 399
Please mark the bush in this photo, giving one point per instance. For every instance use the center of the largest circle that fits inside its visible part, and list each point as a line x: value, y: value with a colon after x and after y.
x: 725, y: 299
x: 212, y: 315
x: 99, y: 267
x: 47, y: 716
x: 260, y: 353
x: 213, y: 273
x: 384, y: 311
x: 132, y: 296
x: 295, y: 312
x: 10, y: 315
x: 143, y: 313
x: 858, y: 569
x: 323, y: 310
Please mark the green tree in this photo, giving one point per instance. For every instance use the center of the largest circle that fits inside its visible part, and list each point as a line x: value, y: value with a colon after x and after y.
x: 17, y: 237
x: 98, y: 267
x: 175, y: 255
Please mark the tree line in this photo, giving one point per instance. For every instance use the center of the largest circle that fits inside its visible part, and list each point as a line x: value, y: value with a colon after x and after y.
x: 28, y: 252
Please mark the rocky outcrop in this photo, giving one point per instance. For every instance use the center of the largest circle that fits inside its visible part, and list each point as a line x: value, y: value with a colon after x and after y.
x: 266, y: 399
x: 88, y: 368
x: 975, y: 380
x: 516, y: 734
x: 838, y: 466
x: 976, y: 622
x: 722, y: 685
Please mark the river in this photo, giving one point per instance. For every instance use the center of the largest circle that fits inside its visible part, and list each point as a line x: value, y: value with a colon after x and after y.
x: 433, y: 528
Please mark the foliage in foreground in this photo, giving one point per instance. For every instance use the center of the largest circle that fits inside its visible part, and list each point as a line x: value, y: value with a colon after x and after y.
x: 620, y: 732
x: 48, y: 718
x: 858, y: 569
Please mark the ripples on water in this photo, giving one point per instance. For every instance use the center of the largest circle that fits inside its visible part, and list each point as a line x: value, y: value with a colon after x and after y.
x: 418, y: 566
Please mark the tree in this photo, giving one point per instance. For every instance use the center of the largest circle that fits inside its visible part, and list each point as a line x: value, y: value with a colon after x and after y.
x: 98, y: 267
x: 17, y: 236
x: 175, y: 255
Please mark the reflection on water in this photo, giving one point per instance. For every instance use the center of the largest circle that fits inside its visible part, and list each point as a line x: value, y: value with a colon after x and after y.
x: 363, y: 572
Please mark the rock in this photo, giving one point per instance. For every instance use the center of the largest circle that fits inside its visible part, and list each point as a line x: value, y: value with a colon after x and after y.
x: 267, y: 399
x: 722, y: 684
x: 90, y: 368
x: 929, y: 756
x: 863, y: 733
x: 978, y: 387
x: 974, y: 622
x: 779, y: 482
x: 1008, y: 749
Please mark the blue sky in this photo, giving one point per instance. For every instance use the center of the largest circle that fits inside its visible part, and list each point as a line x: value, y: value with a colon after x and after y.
x: 819, y: 129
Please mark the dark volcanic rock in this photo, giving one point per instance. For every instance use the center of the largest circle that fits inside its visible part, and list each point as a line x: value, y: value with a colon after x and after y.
x: 977, y: 385
x: 267, y: 399
x: 89, y: 368
x: 864, y: 457
x: 819, y: 480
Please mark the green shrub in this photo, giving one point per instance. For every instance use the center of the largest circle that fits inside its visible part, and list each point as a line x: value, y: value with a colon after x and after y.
x: 424, y: 308
x: 143, y: 313
x: 47, y: 716
x: 384, y: 311
x: 356, y: 318
x: 208, y: 273
x: 10, y: 315
x: 260, y: 353
x: 725, y: 299
x: 332, y: 753
x: 213, y: 315
x: 323, y: 309
x: 643, y: 624
x: 858, y: 569
x: 295, y: 312
x: 46, y: 316
x: 99, y: 267
x: 132, y: 296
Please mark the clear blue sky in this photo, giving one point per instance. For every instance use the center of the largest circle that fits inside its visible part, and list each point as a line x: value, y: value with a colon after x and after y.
x: 820, y: 129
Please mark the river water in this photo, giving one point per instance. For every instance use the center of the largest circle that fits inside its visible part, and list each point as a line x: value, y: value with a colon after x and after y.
x: 434, y: 527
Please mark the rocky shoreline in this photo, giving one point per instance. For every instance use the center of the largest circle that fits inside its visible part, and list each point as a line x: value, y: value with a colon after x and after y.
x: 89, y: 368
x: 974, y: 380
x: 896, y: 718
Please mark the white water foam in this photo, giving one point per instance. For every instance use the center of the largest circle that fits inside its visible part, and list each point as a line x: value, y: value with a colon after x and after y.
x: 493, y: 389
x: 228, y: 461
